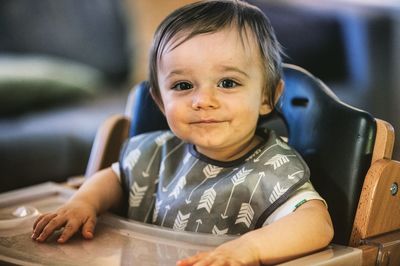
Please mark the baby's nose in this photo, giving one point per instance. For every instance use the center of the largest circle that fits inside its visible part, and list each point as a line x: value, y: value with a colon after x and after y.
x: 204, y: 98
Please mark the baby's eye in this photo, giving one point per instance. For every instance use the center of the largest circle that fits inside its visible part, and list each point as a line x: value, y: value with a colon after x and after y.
x: 181, y: 86
x: 227, y: 84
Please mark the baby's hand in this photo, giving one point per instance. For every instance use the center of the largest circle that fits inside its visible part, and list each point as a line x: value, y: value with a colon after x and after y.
x: 71, y: 216
x: 233, y: 253
x: 209, y: 259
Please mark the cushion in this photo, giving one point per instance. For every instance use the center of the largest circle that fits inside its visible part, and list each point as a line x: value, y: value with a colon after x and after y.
x: 32, y: 82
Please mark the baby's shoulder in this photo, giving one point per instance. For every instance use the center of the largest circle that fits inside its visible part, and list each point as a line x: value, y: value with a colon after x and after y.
x: 141, y: 149
x: 278, y: 155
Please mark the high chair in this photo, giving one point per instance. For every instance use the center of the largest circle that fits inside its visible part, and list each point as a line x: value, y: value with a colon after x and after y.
x: 348, y: 152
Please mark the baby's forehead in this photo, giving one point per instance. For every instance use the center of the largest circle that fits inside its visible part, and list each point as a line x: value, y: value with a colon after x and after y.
x: 244, y: 36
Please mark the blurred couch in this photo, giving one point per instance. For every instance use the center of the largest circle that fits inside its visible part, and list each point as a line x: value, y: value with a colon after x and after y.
x: 64, y: 67
x: 67, y: 65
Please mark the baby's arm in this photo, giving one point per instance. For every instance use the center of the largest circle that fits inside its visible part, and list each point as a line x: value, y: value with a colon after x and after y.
x: 98, y: 194
x: 307, y: 229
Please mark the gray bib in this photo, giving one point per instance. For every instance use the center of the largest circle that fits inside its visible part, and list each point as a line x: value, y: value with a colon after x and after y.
x: 169, y: 183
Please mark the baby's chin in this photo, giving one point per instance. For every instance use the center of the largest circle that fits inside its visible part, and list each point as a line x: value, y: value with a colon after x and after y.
x: 206, y: 141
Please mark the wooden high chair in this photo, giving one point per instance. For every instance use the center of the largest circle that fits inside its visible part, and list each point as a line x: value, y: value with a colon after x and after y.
x: 348, y: 152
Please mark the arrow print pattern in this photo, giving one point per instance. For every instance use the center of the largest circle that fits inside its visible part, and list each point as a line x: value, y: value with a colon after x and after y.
x: 131, y: 159
x: 237, y: 179
x: 240, y: 176
x: 160, y: 140
x: 164, y: 137
x: 277, y: 192
x: 278, y: 160
x: 217, y: 231
x: 207, y: 199
x: 210, y: 171
x: 167, y: 208
x: 181, y: 221
x: 162, y: 167
x: 136, y: 194
x: 293, y: 176
x: 198, y: 222
x: 246, y: 214
x: 282, y: 144
x: 165, y: 189
x: 156, y: 210
x: 278, y: 142
x: 133, y: 156
x: 178, y: 188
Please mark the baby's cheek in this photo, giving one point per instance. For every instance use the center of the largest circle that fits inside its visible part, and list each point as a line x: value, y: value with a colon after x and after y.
x: 173, y: 116
x: 176, y: 122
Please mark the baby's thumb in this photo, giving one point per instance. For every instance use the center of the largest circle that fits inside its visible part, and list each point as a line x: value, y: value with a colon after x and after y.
x: 88, y: 228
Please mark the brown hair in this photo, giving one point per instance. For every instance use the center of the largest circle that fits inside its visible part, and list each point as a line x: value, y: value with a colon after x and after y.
x: 212, y: 16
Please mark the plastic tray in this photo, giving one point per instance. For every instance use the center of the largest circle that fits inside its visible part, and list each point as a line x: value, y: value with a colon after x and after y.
x: 117, y: 241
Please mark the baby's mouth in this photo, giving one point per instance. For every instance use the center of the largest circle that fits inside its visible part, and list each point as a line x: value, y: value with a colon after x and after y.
x: 207, y: 121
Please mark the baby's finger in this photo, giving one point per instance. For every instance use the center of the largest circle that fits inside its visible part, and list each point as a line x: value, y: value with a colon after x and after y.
x: 38, y: 219
x: 41, y: 223
x: 206, y: 260
x: 215, y: 261
x: 191, y: 260
x: 69, y: 230
x: 56, y: 223
x: 88, y: 228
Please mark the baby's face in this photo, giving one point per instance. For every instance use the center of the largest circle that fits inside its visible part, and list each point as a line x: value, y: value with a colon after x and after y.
x: 211, y: 87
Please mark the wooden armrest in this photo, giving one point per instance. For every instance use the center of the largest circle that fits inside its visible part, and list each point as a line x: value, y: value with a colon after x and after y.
x: 384, y: 141
x: 107, y: 144
x: 378, y: 209
x: 387, y: 248
x: 369, y: 255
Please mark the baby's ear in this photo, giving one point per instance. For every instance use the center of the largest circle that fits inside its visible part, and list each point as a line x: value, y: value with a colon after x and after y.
x: 279, y: 90
x: 157, y: 99
x: 265, y: 107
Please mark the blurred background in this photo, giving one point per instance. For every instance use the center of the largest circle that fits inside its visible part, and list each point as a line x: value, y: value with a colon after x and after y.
x: 66, y: 65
